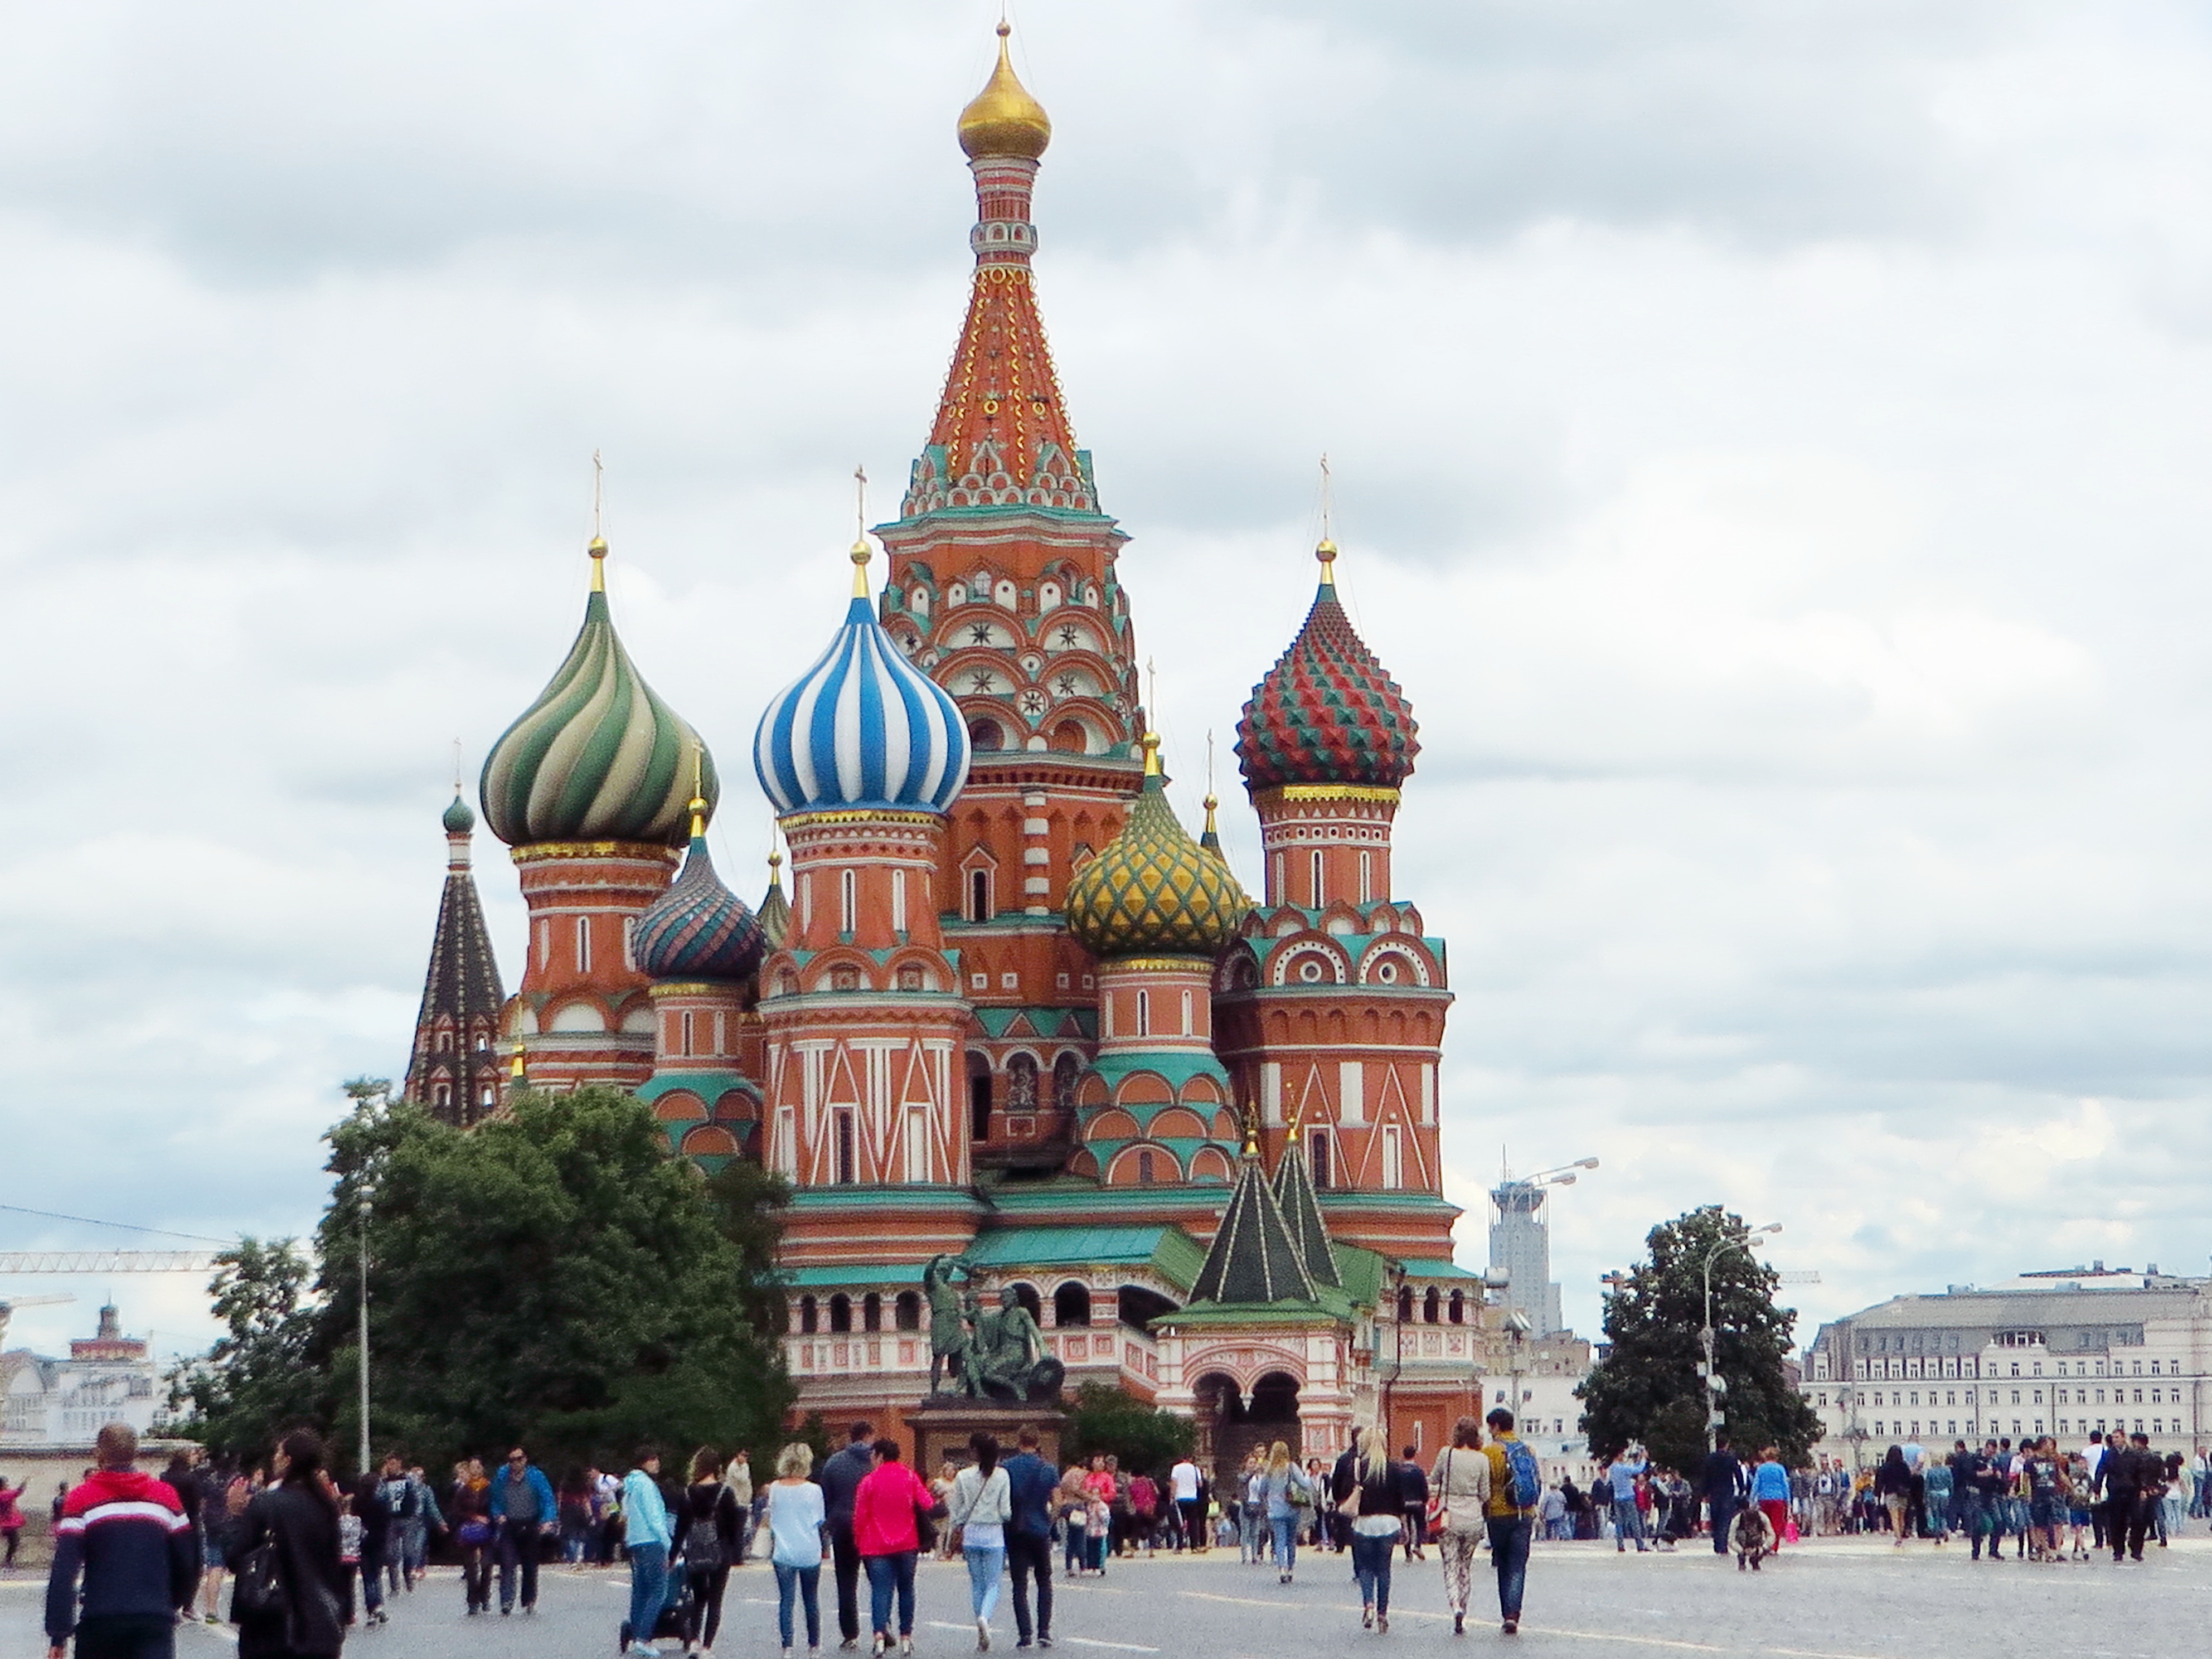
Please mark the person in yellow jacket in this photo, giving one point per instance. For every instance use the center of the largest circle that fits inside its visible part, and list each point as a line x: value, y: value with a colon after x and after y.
x: 1510, y: 1524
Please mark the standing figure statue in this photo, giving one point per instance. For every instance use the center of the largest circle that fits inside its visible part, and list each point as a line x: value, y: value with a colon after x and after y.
x: 948, y: 1342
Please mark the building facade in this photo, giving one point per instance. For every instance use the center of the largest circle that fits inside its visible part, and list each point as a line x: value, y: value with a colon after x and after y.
x: 1007, y: 1006
x: 2076, y: 1353
x: 51, y: 1404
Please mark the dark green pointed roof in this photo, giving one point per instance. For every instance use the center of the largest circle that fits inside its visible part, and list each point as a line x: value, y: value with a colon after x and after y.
x: 1253, y: 1259
x: 1294, y: 1197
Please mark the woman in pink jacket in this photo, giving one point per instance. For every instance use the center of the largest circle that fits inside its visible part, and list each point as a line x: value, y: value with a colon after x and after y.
x: 887, y: 1533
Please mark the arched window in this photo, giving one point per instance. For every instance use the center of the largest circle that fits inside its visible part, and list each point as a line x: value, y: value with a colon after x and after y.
x: 1458, y: 1312
x: 848, y: 901
x: 1027, y: 1296
x: 445, y: 1043
x: 1405, y: 1305
x: 810, y: 1316
x: 840, y: 1314
x: 1144, y: 1013
x: 1071, y: 1305
x: 979, y: 895
x: 1065, y: 1072
x: 1068, y: 737
x: 1021, y: 1083
x: 1430, y: 1305
x: 906, y: 1312
x: 872, y: 1312
x: 979, y: 1097
x: 1317, y: 1154
x: 985, y: 735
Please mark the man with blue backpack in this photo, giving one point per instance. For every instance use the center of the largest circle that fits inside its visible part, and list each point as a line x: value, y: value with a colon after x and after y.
x: 1516, y: 1485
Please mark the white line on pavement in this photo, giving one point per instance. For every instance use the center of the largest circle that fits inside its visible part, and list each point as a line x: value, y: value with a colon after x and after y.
x: 1088, y: 1642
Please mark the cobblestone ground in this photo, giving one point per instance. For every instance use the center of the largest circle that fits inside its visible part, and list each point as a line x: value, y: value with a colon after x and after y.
x: 1837, y: 1599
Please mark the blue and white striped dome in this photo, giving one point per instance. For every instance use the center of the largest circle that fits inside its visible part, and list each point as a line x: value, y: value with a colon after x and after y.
x: 862, y: 728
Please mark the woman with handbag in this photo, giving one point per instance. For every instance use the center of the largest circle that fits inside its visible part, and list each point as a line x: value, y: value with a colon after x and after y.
x: 1288, y: 1497
x: 1369, y: 1488
x: 292, y: 1596
x: 888, y: 1510
x: 1459, y: 1490
x: 709, y: 1527
x: 983, y: 1500
x: 471, y: 1511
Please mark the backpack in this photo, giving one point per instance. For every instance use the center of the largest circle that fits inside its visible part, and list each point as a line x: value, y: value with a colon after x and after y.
x: 1528, y: 1480
x: 703, y: 1540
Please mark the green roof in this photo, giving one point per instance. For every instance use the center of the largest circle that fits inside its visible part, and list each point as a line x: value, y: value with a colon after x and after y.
x: 860, y: 1273
x: 1361, y: 1270
x: 1437, y: 1270
x: 1169, y: 1250
x: 1173, y: 1069
x: 1253, y: 1261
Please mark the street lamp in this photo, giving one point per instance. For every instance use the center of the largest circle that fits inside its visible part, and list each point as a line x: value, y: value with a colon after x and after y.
x: 365, y: 1194
x: 1716, y: 1386
x: 1517, y: 1326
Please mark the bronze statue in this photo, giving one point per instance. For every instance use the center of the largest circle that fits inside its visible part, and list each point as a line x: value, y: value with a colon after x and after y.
x: 998, y: 1355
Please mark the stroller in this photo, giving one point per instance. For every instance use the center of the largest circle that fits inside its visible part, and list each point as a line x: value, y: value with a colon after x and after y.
x: 674, y: 1622
x: 1752, y: 1535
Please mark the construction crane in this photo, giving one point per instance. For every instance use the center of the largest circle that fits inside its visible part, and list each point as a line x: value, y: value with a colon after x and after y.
x: 8, y: 1308
x: 34, y: 1263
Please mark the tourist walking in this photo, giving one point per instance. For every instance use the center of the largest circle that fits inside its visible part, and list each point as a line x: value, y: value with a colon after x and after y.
x: 1417, y: 1503
x: 711, y: 1526
x: 884, y: 1516
x: 367, y: 1508
x: 647, y: 1536
x: 1770, y: 1490
x: 522, y: 1512
x: 298, y: 1519
x: 799, y: 1542
x: 1182, y: 1488
x: 1369, y: 1487
x: 1032, y: 1489
x: 981, y: 1504
x: 1892, y: 1484
x: 575, y: 1500
x: 124, y: 1534
x: 1621, y: 1475
x: 1288, y: 1498
x: 1251, y: 1511
x: 471, y: 1506
x: 842, y: 1471
x: 1509, y: 1513
x: 738, y: 1477
x: 11, y: 1518
x: 1460, y: 1484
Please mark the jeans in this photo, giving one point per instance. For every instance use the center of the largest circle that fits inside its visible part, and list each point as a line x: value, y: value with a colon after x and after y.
x: 885, y: 1574
x: 1251, y: 1528
x: 1079, y: 1552
x: 417, y: 1546
x: 1627, y: 1524
x: 1285, y: 1528
x: 372, y: 1575
x: 1026, y: 1558
x: 517, y: 1549
x: 805, y: 1582
x: 985, y: 1563
x: 1509, y: 1553
x: 475, y: 1574
x: 575, y: 1535
x: 1966, y: 1516
x: 1724, y: 1518
x: 846, y: 1557
x: 648, y: 1587
x: 1370, y: 1566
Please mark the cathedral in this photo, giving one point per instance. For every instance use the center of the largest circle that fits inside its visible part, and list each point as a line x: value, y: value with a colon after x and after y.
x: 1008, y: 1006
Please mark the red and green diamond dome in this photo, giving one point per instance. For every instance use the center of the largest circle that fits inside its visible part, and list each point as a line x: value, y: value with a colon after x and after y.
x: 1327, y: 713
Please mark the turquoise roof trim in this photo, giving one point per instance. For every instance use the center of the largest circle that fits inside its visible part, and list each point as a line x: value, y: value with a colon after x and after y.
x: 1175, y: 1070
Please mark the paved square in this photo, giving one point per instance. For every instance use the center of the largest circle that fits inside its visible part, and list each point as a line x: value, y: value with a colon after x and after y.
x: 1840, y: 1599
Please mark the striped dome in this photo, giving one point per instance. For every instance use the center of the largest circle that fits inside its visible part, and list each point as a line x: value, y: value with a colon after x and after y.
x: 861, y: 728
x: 1154, y: 891
x: 698, y: 929
x: 598, y: 756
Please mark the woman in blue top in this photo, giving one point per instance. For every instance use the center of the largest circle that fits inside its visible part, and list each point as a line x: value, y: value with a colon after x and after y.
x: 1290, y: 1499
x: 1770, y: 1490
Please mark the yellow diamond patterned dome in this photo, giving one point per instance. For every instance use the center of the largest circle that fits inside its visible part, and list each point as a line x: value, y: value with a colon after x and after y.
x: 1154, y: 890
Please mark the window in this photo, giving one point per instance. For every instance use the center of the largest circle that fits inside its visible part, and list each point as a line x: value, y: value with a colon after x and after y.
x: 1316, y: 880
x: 840, y: 1314
x: 845, y: 1151
x: 917, y: 1144
x: 684, y: 1047
x: 1366, y: 877
x: 810, y: 1316
x: 583, y: 944
x: 898, y: 901
x: 1186, y: 1013
x: 805, y: 901
x: 629, y: 943
x: 1071, y: 1305
x: 872, y: 1312
x: 1144, y: 1013
x: 1394, y: 1169
x: 1021, y: 1083
x: 545, y: 943
x: 906, y: 1312
x: 848, y: 901
x: 979, y: 895
x: 1317, y: 1151
x: 1405, y: 1311
x: 1458, y: 1313
x: 1066, y: 1071
x: 444, y: 1045
x: 1275, y: 894
x: 1430, y: 1305
x: 979, y: 1097
x: 441, y: 1095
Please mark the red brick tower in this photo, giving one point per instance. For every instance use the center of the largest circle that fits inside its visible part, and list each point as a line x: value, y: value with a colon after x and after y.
x: 1332, y: 1011
x: 589, y: 788
x: 1002, y: 587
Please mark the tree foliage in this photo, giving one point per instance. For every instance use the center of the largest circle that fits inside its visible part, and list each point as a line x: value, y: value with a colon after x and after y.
x: 1140, y: 1438
x: 259, y: 1377
x: 1647, y: 1387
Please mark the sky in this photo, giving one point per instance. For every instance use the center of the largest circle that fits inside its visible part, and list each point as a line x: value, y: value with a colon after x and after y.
x: 1767, y: 446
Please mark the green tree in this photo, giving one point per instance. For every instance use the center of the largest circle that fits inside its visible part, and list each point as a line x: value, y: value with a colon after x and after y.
x: 1104, y: 1419
x: 259, y: 1379
x: 1648, y: 1388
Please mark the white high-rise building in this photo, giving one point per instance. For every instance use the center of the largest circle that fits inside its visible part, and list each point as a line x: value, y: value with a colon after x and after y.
x: 1521, y: 1247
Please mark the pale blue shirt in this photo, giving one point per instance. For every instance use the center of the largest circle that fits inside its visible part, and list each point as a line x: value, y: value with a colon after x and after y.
x: 644, y: 1517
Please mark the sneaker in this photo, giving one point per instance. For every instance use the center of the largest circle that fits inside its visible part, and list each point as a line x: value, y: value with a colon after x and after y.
x: 1458, y: 1624
x: 906, y: 1647
x: 1367, y: 1619
x: 982, y: 1637
x: 1044, y: 1640
x: 1512, y: 1627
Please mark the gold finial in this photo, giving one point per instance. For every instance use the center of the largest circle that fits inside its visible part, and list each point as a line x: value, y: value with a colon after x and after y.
x: 1152, y: 754
x: 1325, y: 550
x: 1002, y: 119
x: 698, y: 807
x: 599, y: 547
x: 1210, y: 805
x: 775, y: 864
x: 515, y: 1071
x: 1251, y: 1130
x: 1296, y: 1117
x: 860, y: 554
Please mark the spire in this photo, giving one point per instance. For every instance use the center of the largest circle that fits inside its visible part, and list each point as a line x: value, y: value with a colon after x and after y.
x: 1301, y: 1206
x: 1002, y: 436
x: 775, y: 912
x: 1252, y: 1258
x: 447, y: 1073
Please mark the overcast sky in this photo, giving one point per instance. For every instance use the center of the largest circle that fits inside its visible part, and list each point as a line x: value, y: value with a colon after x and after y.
x: 1769, y: 450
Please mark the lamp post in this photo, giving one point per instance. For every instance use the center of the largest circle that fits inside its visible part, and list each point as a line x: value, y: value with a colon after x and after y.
x: 366, y: 1193
x: 1715, y: 1385
x: 1517, y: 1326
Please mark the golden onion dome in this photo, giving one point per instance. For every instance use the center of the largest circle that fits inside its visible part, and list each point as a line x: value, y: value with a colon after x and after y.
x: 1002, y: 119
x: 1154, y: 891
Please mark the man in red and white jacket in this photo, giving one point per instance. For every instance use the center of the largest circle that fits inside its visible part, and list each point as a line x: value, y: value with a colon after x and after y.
x: 127, y: 1534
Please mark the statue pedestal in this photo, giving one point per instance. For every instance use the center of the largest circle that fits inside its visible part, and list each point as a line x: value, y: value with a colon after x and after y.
x: 942, y: 1423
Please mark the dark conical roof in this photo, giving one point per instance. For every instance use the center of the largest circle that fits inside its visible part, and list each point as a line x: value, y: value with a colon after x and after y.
x: 1252, y: 1258
x: 462, y: 994
x: 1301, y: 1207
x: 774, y: 911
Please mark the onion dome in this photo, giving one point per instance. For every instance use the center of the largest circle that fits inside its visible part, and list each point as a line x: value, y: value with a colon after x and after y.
x: 1327, y: 713
x: 698, y: 929
x: 460, y: 819
x: 1002, y: 119
x: 598, y: 756
x: 775, y: 908
x: 1154, y: 891
x: 864, y: 727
